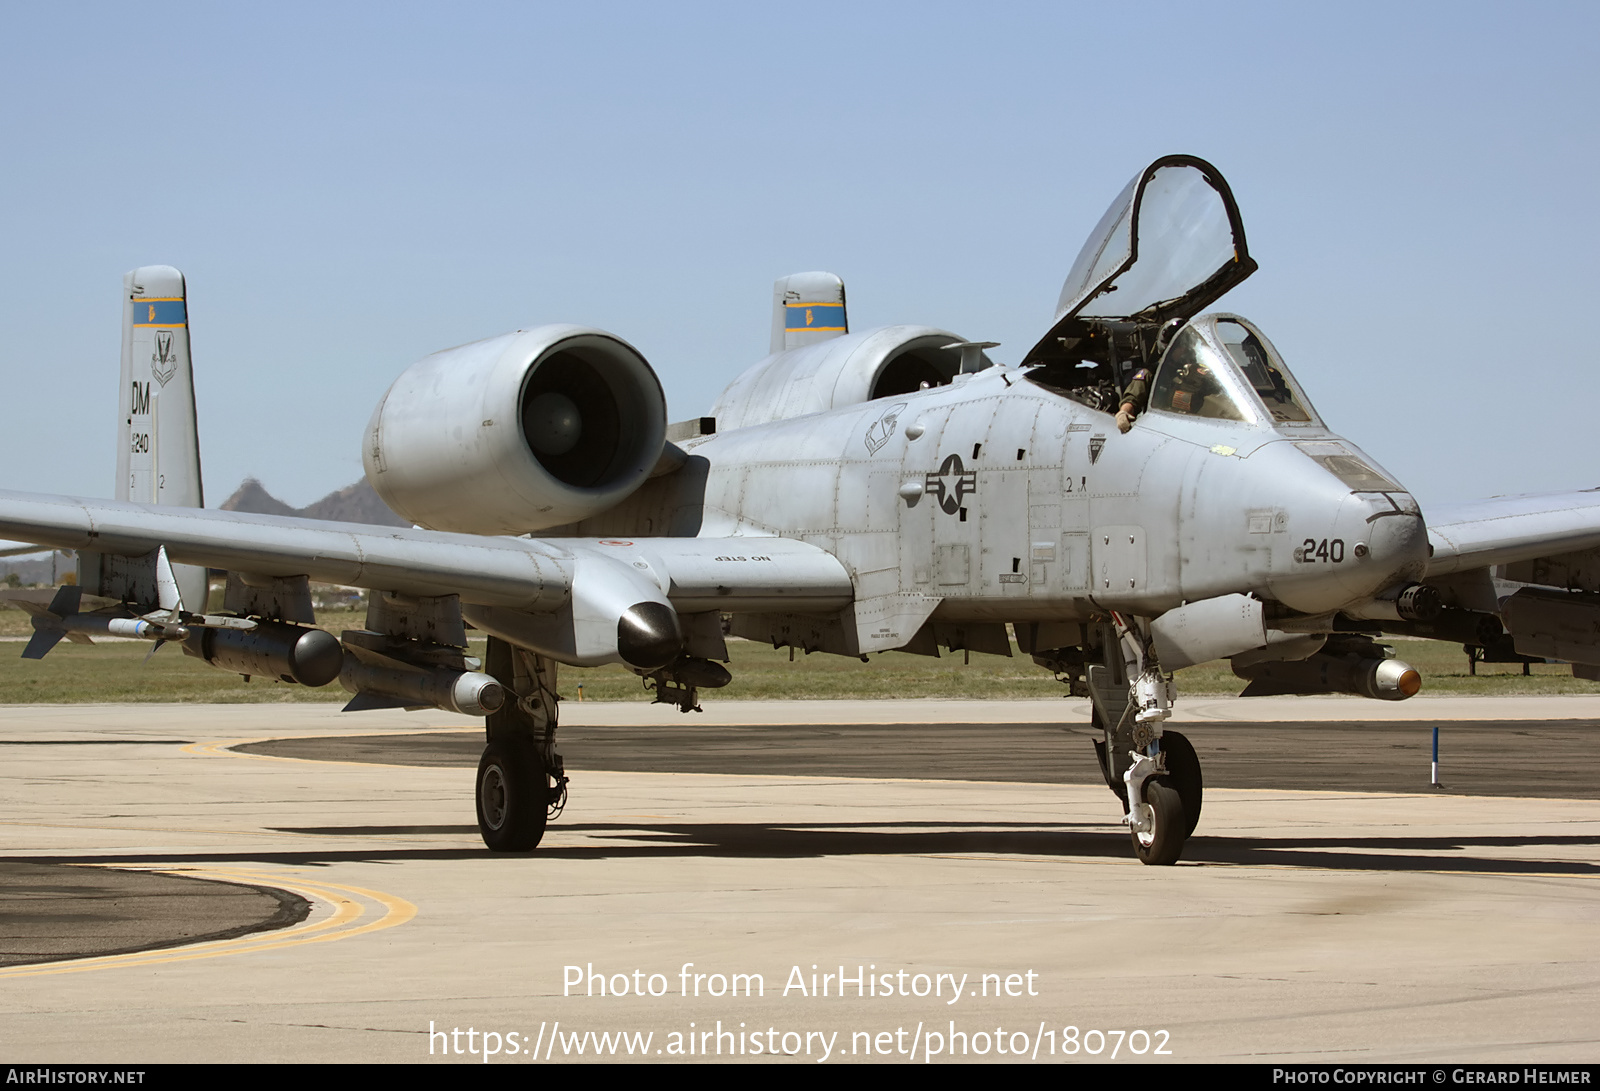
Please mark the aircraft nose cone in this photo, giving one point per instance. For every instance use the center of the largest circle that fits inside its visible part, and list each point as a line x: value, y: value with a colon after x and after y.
x: 1367, y: 545
x: 648, y: 636
x: 1383, y: 542
x: 1390, y: 541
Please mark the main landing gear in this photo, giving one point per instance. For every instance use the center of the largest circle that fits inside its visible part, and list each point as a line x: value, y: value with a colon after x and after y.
x: 521, y: 782
x: 1153, y: 772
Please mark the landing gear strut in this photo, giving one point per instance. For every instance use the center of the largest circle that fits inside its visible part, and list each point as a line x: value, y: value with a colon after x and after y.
x: 521, y: 782
x: 1153, y: 772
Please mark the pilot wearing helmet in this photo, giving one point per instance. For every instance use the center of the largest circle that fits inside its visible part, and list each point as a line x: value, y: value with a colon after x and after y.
x: 1192, y: 389
x: 1192, y: 386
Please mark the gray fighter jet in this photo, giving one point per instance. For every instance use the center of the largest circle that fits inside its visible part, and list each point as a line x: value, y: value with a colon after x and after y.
x: 1148, y: 489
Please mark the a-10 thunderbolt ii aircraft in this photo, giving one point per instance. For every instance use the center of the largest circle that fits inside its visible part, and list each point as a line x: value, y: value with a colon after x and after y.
x: 851, y: 493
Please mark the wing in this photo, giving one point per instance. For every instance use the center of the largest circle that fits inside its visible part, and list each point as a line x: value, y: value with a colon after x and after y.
x: 1511, y: 529
x: 1531, y: 561
x: 563, y: 597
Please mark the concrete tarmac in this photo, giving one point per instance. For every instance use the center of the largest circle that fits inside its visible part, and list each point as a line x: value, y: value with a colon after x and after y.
x: 319, y: 906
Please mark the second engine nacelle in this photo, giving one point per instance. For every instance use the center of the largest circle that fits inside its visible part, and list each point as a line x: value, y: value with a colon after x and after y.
x: 844, y: 370
x: 517, y: 433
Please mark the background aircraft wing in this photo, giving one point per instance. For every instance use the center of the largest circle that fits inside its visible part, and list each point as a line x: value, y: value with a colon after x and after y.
x: 1511, y: 529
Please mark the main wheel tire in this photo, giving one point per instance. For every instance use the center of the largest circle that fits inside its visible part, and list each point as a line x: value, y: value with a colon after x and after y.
x: 513, y: 795
x: 1163, y: 843
x: 1183, y: 775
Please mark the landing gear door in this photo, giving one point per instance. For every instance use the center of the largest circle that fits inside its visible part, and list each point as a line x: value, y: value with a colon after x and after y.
x: 1169, y: 245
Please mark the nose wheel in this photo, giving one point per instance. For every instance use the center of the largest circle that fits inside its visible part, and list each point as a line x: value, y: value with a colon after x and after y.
x: 1165, y: 784
x: 1164, y: 828
x: 1169, y: 788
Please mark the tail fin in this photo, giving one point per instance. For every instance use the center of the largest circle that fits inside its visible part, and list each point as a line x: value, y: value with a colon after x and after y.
x: 807, y: 308
x: 158, y: 461
x: 158, y: 454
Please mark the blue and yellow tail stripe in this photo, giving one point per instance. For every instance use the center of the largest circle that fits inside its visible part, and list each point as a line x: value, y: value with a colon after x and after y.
x: 821, y: 317
x: 160, y: 312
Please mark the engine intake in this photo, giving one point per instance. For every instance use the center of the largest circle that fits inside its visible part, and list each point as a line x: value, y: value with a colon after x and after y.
x: 517, y: 433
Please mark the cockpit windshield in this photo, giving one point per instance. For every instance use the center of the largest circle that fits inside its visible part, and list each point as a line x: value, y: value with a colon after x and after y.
x: 1271, y: 384
x: 1194, y: 381
x: 1213, y: 366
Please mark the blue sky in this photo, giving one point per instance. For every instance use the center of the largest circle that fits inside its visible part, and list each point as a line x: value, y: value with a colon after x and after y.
x: 350, y: 187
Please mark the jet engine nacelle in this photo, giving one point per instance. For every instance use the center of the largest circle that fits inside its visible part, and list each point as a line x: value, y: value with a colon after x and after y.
x: 517, y: 433
x: 846, y: 370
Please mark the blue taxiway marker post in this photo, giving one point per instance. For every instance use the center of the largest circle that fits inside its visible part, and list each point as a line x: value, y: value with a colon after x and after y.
x: 1436, y: 783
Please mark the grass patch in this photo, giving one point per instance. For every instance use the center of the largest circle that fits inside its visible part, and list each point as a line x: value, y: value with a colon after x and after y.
x: 118, y: 673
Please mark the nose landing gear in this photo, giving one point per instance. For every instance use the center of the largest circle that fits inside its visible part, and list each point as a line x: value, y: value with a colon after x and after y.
x: 1153, y: 772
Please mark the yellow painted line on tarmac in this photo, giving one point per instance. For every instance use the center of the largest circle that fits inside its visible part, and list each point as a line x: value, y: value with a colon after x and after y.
x: 348, y: 903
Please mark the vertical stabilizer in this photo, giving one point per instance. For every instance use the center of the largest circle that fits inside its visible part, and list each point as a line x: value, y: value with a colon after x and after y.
x: 158, y: 454
x: 807, y: 308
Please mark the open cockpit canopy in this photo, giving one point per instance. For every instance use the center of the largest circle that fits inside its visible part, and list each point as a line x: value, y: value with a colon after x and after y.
x: 1170, y: 245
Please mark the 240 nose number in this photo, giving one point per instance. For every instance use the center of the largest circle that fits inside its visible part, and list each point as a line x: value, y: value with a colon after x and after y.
x: 1327, y: 551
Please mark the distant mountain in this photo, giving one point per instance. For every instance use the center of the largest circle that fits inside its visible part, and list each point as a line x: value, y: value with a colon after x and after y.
x: 253, y: 497
x: 353, y: 504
